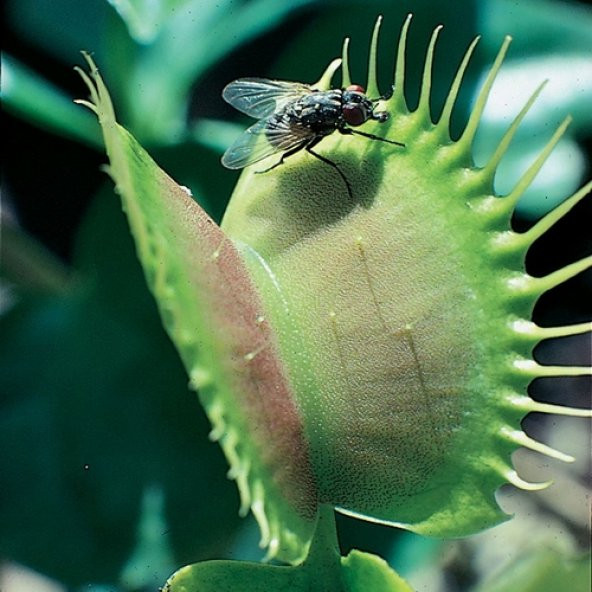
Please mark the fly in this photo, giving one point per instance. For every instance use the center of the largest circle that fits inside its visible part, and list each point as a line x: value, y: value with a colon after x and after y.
x: 294, y: 116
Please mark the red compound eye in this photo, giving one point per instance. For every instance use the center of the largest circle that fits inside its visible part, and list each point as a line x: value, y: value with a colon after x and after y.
x: 354, y: 114
x: 356, y: 88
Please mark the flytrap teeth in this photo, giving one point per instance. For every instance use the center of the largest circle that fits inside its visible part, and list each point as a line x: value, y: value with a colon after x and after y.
x: 528, y: 405
x: 535, y: 370
x: 372, y: 83
x: 549, y: 219
x: 528, y: 328
x: 521, y: 439
x: 512, y: 476
x: 491, y: 167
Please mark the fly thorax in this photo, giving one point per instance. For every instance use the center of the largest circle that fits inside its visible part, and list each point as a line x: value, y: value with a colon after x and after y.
x: 320, y: 112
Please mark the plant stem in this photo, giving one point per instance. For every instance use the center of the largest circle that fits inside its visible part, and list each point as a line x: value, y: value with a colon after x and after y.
x: 324, y: 559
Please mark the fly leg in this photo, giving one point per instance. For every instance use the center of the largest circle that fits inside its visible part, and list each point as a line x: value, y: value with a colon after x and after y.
x: 346, y: 131
x: 309, y: 149
x: 285, y: 155
x: 308, y: 146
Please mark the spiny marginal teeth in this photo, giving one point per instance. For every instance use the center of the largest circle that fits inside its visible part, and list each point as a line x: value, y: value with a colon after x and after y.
x: 520, y: 438
x: 535, y: 370
x: 468, y: 134
x: 490, y: 169
x: 245, y: 502
x: 199, y: 378
x: 564, y: 331
x: 547, y: 221
x: 426, y: 84
x: 91, y: 88
x: 88, y: 105
x: 524, y: 327
x: 398, y: 98
x: 215, y: 411
x: 259, y: 513
x: 273, y: 548
x: 372, y: 84
x: 530, y: 406
x: 512, y: 476
x: 244, y: 507
x: 512, y: 198
x: 216, y: 433
x: 324, y: 82
x: 242, y: 481
x: 560, y: 276
x: 345, y: 75
x: 444, y: 122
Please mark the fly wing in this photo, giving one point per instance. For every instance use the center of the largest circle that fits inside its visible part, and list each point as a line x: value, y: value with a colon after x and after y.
x: 264, y: 139
x: 259, y: 97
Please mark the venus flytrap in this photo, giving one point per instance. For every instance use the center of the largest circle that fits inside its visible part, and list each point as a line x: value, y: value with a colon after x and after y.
x: 367, y: 352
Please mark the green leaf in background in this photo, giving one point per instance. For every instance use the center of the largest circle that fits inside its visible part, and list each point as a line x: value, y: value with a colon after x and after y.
x: 25, y: 93
x: 145, y: 18
x: 26, y: 264
x: 172, y: 45
x: 191, y: 40
x: 231, y: 576
x: 360, y: 572
x: 96, y: 414
x: 364, y: 572
x: 542, y: 571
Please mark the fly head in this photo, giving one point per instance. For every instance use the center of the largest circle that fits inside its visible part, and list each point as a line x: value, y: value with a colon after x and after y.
x: 357, y: 108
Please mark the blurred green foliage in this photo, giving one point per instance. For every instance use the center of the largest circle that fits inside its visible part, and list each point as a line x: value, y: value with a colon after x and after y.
x: 96, y: 413
x: 544, y: 571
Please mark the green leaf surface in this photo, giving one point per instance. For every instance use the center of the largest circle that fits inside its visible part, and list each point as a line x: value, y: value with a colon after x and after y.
x: 232, y: 576
x: 29, y: 96
x: 360, y: 572
x: 363, y: 572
